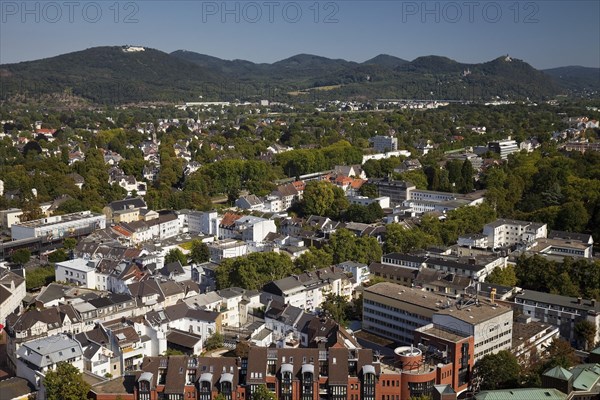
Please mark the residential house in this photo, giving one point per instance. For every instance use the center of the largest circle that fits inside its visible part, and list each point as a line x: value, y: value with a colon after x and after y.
x: 12, y: 293
x: 309, y: 289
x: 562, y: 311
x: 250, y: 202
x: 125, y: 204
x: 37, y: 357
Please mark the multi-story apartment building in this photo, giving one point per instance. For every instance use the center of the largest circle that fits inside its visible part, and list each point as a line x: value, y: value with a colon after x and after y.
x: 37, y: 357
x: 506, y: 232
x: 403, y: 268
x: 395, y: 312
x: 504, y: 147
x: 308, y: 290
x: 397, y: 191
x: 384, y: 144
x: 562, y: 311
x: 10, y: 217
x: 440, y: 344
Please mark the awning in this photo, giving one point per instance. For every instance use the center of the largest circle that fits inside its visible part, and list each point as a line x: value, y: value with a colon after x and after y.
x: 308, y: 368
x: 227, y: 377
x: 368, y: 369
x: 145, y: 376
x: 287, y: 368
x: 206, y: 377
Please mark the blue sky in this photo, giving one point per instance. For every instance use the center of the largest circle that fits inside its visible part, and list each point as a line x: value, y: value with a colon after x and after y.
x: 544, y: 33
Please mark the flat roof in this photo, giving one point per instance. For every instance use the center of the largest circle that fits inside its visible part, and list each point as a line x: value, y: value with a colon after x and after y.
x: 523, y: 332
x: 441, y: 332
x: 59, y: 219
x: 405, y: 294
x: 78, y: 264
x: 475, y: 313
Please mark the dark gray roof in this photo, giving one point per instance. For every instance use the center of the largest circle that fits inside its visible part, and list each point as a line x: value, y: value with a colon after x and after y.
x: 174, y: 267
x: 581, y: 237
x: 555, y: 299
x: 284, y: 313
x: 53, y: 291
x: 307, y: 279
x: 136, y: 202
x: 183, y: 339
x: 15, y: 388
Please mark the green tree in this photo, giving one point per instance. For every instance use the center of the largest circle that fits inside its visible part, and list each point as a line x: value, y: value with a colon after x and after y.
x: 254, y: 270
x: 175, y: 255
x: 503, y: 276
x: 572, y: 217
x: 58, y: 256
x: 416, y: 177
x: 585, y: 331
x: 65, y: 383
x: 263, y: 393
x: 368, y: 190
x: 39, y: 277
x: 21, y: 256
x: 498, y: 371
x: 403, y: 240
x: 560, y: 353
x: 466, y: 172
x: 344, y: 245
x: 337, y: 308
x: 69, y: 243
x: 214, y: 342
x: 324, y: 199
x: 313, y: 259
x: 200, y: 252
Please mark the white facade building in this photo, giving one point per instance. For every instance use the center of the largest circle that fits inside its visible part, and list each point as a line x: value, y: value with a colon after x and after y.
x: 37, y: 357
x: 488, y: 323
x: 10, y: 217
x: 506, y: 232
x: 383, y: 201
x: 204, y: 222
x: 360, y: 272
x: 59, y: 226
x: 78, y: 271
x: 12, y: 293
x: 504, y: 147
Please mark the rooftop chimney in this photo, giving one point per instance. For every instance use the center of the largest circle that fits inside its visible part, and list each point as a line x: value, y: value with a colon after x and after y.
x: 579, y: 300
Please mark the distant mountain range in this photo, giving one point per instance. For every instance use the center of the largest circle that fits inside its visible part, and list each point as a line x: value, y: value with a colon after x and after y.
x: 118, y: 75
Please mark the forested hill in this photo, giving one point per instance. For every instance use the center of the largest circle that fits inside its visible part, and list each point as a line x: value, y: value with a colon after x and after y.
x: 111, y: 75
x: 583, y: 79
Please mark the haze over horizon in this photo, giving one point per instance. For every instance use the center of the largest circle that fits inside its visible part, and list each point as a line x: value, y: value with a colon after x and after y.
x: 545, y: 34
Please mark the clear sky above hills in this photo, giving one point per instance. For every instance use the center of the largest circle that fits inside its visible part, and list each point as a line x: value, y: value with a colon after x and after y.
x: 544, y: 33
